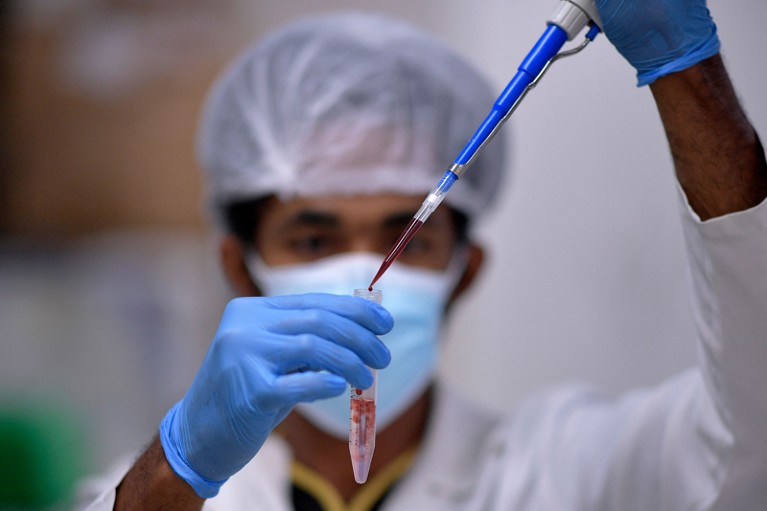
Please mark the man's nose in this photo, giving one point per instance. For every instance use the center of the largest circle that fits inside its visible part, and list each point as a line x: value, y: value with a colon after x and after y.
x: 365, y: 244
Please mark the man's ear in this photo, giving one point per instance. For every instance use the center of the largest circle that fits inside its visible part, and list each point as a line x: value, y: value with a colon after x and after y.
x: 473, y: 265
x: 232, y: 256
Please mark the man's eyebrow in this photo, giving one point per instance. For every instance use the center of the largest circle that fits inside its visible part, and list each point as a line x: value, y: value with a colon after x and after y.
x: 398, y: 219
x: 402, y: 219
x: 310, y: 217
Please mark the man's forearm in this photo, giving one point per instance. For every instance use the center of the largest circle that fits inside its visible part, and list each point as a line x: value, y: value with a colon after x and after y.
x: 152, y: 485
x: 719, y: 160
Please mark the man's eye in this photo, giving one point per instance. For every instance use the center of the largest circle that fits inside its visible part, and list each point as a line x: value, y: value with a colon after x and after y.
x: 417, y: 246
x: 312, y: 245
x: 419, y: 251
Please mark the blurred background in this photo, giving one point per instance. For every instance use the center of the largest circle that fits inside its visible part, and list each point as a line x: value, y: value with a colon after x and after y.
x: 109, y: 285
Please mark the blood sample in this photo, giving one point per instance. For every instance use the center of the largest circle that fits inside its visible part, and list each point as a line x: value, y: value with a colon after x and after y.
x: 397, y: 249
x: 362, y: 436
x: 362, y: 414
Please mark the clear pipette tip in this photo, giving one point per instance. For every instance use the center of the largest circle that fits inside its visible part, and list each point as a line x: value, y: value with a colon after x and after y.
x: 431, y: 202
x: 362, y: 414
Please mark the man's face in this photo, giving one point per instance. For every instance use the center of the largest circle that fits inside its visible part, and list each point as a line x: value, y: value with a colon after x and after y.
x: 306, y: 229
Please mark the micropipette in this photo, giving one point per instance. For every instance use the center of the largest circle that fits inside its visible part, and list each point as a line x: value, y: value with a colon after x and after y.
x: 362, y: 417
x: 570, y: 17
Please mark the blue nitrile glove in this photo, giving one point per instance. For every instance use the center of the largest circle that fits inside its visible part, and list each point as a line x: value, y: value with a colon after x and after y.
x: 267, y: 355
x: 659, y: 37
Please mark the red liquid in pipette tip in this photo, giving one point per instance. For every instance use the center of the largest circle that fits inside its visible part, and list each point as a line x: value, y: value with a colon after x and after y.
x: 397, y: 249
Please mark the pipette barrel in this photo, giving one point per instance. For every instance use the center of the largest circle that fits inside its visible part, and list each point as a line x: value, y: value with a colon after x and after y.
x: 545, y: 48
x: 362, y: 414
x: 531, y: 68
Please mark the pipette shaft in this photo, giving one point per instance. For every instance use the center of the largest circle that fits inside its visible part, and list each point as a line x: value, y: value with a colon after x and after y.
x: 568, y: 20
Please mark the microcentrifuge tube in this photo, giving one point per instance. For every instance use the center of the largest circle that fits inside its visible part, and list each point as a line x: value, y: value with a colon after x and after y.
x: 362, y: 417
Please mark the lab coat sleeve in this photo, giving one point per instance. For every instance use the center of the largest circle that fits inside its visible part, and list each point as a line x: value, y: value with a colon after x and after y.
x: 728, y: 410
x: 696, y: 442
x: 98, y: 492
x: 700, y: 440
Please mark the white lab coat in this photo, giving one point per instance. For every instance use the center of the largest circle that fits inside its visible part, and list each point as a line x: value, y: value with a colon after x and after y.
x: 696, y: 442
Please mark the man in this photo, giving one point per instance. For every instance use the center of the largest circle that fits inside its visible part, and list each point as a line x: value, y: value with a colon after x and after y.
x: 320, y: 144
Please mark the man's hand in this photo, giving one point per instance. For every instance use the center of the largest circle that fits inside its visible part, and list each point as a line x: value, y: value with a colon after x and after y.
x: 659, y: 37
x: 267, y: 355
x: 674, y: 46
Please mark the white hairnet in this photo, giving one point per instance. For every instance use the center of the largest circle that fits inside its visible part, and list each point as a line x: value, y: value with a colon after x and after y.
x: 347, y: 104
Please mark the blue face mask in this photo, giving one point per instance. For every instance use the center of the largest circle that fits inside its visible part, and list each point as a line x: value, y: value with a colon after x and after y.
x: 415, y: 297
